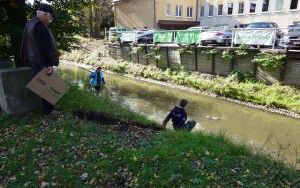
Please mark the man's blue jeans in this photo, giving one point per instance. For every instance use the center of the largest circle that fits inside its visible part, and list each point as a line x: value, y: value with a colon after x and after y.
x: 47, y: 107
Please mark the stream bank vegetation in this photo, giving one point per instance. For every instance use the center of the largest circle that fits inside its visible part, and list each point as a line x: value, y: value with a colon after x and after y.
x: 241, y: 86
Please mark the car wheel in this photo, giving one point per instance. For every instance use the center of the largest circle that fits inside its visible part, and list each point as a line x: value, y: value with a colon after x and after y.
x: 227, y: 42
x: 203, y: 44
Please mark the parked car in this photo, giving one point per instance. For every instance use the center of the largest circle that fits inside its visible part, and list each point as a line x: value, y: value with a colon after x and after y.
x: 291, y: 39
x: 145, y: 37
x: 216, y: 35
x: 266, y: 25
x: 241, y: 26
x: 129, y: 37
x: 116, y: 32
x: 197, y: 28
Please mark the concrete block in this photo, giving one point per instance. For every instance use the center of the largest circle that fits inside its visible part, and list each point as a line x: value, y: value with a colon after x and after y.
x: 5, y: 64
x: 15, y: 98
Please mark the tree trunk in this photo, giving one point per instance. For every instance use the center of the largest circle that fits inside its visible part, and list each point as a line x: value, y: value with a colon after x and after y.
x: 16, y: 14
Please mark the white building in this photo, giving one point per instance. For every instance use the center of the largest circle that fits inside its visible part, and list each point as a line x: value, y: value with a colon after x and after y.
x: 236, y: 12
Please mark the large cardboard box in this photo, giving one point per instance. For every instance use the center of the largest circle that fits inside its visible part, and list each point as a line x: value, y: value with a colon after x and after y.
x: 49, y: 87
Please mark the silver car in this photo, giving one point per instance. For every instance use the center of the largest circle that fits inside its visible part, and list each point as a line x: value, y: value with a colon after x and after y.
x: 291, y: 39
x: 216, y: 35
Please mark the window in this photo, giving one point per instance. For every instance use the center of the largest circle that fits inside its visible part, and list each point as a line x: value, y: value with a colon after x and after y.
x: 241, y: 8
x: 178, y: 10
x: 168, y: 11
x: 189, y: 12
x: 294, y: 4
x: 211, y: 10
x: 265, y: 5
x: 230, y: 8
x: 252, y: 6
x: 220, y: 9
x: 202, y: 11
x: 279, y: 5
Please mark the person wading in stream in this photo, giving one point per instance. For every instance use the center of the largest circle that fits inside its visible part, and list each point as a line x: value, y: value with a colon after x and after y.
x: 97, y: 79
x: 179, y: 117
x: 39, y: 47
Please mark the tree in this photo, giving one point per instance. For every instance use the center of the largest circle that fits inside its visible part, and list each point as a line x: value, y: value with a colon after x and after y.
x: 12, y: 24
x: 72, y: 17
x: 100, y: 16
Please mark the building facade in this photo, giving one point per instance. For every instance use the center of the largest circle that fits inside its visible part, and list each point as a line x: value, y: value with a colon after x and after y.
x: 157, y: 14
x: 240, y: 12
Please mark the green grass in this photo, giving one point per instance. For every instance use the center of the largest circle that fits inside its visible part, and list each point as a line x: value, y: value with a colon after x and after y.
x: 35, y: 149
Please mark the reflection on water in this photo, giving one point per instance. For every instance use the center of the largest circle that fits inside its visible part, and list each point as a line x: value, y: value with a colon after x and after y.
x: 277, y: 134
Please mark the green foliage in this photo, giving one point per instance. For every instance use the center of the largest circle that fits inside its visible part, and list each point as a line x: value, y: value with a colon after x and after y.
x: 227, y: 55
x: 269, y: 60
x: 242, y: 50
x: 243, y: 77
x: 186, y: 50
x: 210, y: 52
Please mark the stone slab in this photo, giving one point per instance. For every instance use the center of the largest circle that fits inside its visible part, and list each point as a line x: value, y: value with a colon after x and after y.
x: 5, y: 64
x: 15, y: 98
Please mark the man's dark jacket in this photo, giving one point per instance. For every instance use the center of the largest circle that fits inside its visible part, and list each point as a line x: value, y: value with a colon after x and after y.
x: 39, y: 46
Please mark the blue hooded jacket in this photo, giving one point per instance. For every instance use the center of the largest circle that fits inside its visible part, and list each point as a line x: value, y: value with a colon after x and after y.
x: 97, y: 78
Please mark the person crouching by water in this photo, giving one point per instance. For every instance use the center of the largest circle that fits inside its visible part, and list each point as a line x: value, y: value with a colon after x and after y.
x: 97, y: 79
x: 179, y: 117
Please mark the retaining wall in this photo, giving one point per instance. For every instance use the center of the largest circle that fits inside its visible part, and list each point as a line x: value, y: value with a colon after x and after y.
x: 170, y: 57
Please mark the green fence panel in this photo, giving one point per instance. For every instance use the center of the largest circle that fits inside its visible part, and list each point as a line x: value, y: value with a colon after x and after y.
x: 163, y: 37
x: 188, y: 37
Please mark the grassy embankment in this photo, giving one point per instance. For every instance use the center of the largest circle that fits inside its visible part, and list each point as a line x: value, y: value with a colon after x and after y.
x: 236, y: 86
x: 65, y: 151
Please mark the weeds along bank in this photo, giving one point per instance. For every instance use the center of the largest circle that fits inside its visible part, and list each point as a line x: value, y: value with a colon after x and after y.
x: 66, y: 151
x: 236, y: 86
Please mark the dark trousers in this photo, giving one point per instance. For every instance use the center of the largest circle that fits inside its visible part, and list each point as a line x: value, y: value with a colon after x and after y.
x: 47, y: 107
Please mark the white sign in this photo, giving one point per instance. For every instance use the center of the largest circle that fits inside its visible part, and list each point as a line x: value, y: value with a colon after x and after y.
x: 255, y: 37
x: 128, y: 37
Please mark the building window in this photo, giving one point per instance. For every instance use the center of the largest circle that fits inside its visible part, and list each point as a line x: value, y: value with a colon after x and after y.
x: 241, y: 7
x: 168, y: 11
x: 230, y: 8
x: 265, y: 5
x: 252, y: 6
x: 202, y: 11
x: 279, y: 5
x: 211, y: 10
x: 189, y: 12
x: 178, y: 10
x: 294, y: 4
x: 220, y: 10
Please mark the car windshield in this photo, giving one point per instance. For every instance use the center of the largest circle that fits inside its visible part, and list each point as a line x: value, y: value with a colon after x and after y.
x: 260, y: 25
x: 294, y: 29
x: 217, y: 29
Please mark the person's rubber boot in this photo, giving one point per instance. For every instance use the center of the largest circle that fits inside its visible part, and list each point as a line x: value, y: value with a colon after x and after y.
x: 190, y: 125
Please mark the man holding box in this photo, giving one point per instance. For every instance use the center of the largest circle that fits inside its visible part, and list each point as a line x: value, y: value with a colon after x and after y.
x: 39, y: 49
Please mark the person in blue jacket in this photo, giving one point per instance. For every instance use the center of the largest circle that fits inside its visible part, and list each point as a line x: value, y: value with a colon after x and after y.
x: 97, y: 79
x: 179, y: 117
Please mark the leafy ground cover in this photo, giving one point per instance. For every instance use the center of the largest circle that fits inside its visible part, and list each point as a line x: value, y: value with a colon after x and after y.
x: 66, y: 151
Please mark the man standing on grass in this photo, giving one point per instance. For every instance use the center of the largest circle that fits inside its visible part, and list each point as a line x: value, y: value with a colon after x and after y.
x: 39, y: 47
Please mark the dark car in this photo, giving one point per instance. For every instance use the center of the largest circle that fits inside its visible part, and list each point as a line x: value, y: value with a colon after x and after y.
x: 146, y: 37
